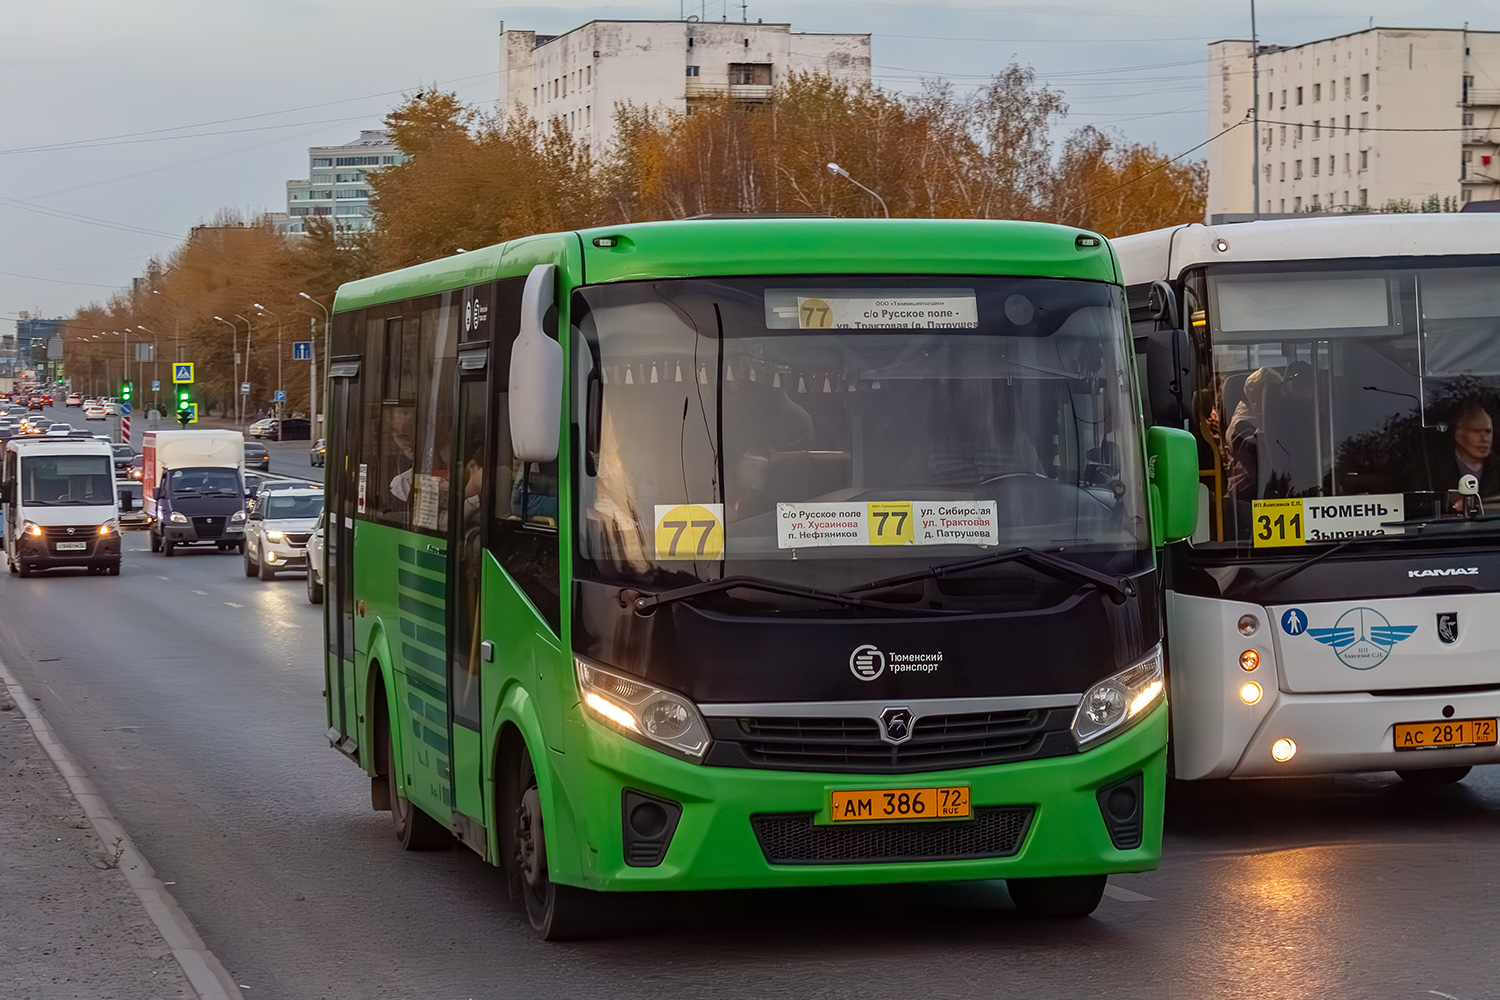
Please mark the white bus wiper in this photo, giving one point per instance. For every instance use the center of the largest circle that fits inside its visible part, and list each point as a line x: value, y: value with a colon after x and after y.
x: 1118, y: 588
x: 645, y: 603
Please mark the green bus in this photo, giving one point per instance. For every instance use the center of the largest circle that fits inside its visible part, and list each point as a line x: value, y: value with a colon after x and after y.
x: 736, y: 553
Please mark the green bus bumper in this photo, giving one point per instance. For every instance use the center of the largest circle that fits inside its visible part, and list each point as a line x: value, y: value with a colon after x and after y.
x: 715, y: 845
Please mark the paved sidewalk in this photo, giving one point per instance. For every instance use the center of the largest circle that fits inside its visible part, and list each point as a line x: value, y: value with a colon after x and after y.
x: 71, y: 927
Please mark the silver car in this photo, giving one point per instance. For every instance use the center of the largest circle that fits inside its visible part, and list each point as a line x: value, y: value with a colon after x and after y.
x: 315, y: 562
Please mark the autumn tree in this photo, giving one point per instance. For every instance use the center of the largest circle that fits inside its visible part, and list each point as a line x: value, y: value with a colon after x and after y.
x: 1116, y: 188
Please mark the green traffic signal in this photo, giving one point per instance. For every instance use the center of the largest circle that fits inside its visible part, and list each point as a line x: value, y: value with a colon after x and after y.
x: 125, y: 391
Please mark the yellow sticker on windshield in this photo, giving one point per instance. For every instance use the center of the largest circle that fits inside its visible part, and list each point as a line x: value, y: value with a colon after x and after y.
x: 1277, y: 523
x: 890, y: 523
x: 690, y: 531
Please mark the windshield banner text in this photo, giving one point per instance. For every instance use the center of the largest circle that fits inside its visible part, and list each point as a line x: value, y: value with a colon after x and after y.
x: 886, y: 522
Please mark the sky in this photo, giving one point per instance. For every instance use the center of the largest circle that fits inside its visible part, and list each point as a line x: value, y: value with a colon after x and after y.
x: 122, y: 125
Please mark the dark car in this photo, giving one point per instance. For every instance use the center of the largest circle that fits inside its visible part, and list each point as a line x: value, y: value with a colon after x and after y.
x: 257, y: 457
x: 318, y: 455
x: 124, y: 455
x: 132, y: 509
x: 137, y: 467
x: 291, y: 429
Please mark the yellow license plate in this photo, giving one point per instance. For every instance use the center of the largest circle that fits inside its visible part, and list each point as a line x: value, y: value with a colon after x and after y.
x: 899, y: 803
x: 1447, y: 733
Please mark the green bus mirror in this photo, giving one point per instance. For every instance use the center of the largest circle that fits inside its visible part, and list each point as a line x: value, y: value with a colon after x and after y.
x: 1172, y: 469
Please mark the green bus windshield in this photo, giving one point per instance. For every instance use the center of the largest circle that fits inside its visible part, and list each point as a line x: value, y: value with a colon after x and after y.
x: 847, y: 427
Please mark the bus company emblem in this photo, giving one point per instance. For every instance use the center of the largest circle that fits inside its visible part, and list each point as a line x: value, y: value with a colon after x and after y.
x: 1447, y: 627
x: 867, y: 662
x: 895, y: 725
x: 1362, y: 638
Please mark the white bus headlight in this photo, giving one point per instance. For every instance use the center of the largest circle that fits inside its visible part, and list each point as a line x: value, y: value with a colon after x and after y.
x: 642, y: 711
x: 1117, y: 701
x: 178, y: 517
x: 238, y: 515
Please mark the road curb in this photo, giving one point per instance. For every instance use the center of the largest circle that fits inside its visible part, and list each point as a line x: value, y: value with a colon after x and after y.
x: 207, y: 976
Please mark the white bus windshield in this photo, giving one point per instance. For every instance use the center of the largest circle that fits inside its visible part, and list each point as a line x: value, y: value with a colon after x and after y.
x: 831, y: 431
x: 1376, y: 383
x: 67, y: 480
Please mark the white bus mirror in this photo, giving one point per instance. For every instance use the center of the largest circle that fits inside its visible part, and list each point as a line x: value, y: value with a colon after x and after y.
x: 536, y: 373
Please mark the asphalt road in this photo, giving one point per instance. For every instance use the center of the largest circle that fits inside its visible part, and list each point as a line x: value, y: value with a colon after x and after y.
x: 193, y: 696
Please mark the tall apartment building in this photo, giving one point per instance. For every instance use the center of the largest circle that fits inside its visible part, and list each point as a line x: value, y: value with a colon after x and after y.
x: 1332, y: 114
x: 337, y: 183
x: 580, y: 77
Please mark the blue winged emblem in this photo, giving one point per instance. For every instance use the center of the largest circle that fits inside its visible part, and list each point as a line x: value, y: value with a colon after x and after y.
x: 1338, y: 638
x: 1389, y: 635
x: 1362, y: 638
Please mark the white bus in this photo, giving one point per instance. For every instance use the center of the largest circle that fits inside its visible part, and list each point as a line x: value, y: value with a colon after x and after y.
x: 1337, y: 609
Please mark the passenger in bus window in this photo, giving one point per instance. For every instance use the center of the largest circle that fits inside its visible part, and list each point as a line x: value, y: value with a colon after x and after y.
x: 1243, y: 437
x: 1473, y: 451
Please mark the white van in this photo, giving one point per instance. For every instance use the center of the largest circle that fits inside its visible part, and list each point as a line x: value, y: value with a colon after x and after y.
x: 60, y: 505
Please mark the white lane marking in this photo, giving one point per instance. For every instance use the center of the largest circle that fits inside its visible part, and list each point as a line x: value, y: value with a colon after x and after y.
x: 1445, y: 996
x: 234, y: 605
x: 1122, y: 895
x: 164, y: 578
x: 201, y: 593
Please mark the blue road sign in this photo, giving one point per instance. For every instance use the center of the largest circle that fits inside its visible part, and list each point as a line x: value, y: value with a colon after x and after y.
x: 301, y: 350
x: 124, y: 409
x: 182, y: 372
x: 156, y: 385
x: 280, y: 395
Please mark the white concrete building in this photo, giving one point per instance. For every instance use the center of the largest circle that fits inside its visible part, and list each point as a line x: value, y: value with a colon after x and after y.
x: 337, y: 183
x: 581, y: 76
x: 1330, y: 114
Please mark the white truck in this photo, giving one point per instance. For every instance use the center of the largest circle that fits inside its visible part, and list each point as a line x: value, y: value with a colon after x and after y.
x: 60, y: 507
x: 193, y: 488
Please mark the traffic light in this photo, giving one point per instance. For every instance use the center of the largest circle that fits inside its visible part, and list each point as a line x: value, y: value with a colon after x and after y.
x: 125, y: 388
x: 184, y: 407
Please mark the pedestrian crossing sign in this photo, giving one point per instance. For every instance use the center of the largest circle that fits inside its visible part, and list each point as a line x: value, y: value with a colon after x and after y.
x: 182, y: 372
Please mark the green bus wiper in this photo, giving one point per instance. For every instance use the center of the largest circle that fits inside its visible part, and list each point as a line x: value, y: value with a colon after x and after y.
x: 645, y: 603
x: 1118, y: 588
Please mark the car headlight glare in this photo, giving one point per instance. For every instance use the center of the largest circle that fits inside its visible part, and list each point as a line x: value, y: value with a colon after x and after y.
x: 275, y: 536
x: 33, y: 529
x: 178, y: 517
x: 109, y: 527
x: 1114, y: 703
x: 238, y: 515
x: 642, y: 711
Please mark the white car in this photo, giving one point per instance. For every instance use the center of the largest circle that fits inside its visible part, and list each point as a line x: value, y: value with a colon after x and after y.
x: 95, y: 411
x: 315, y: 562
x: 75, y: 400
x: 278, y: 528
x: 59, y: 430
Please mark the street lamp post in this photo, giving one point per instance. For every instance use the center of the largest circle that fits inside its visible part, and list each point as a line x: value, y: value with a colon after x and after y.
x: 234, y: 363
x: 279, y: 386
x: 249, y: 334
x: 834, y: 168
x: 313, y: 383
x: 176, y: 325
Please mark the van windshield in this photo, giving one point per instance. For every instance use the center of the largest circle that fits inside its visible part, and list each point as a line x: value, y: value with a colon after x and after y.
x: 67, y: 480
x: 185, y: 482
